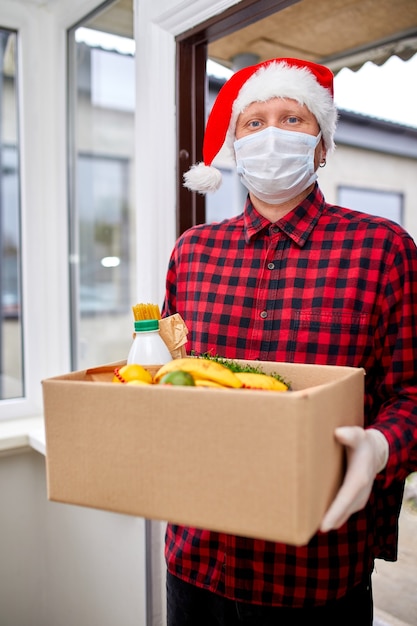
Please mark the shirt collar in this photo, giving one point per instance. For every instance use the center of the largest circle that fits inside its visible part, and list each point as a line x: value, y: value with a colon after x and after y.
x: 297, y: 224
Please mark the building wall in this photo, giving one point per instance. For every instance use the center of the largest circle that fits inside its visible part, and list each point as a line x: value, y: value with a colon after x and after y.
x: 367, y: 169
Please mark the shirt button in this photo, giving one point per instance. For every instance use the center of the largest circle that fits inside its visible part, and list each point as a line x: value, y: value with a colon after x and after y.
x: 271, y: 266
x: 264, y: 314
x: 275, y: 229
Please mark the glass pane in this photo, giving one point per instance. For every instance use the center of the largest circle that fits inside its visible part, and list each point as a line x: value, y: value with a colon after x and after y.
x: 102, y: 216
x: 11, y: 365
x: 386, y: 204
x: 103, y: 240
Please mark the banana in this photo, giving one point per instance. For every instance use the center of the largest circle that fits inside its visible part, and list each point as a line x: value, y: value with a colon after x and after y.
x: 205, y: 382
x: 201, y: 369
x: 251, y: 380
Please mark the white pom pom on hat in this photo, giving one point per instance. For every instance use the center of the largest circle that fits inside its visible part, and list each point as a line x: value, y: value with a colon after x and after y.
x: 308, y: 83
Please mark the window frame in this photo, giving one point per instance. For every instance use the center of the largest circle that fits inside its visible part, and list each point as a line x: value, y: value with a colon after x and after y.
x: 43, y: 192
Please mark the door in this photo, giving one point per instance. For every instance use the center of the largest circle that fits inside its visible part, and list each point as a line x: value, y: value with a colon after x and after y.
x: 191, y: 93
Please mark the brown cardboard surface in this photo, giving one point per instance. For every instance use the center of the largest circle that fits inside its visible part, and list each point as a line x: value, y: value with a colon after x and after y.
x: 255, y: 463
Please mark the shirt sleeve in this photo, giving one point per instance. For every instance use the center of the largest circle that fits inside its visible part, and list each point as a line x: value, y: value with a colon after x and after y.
x: 169, y: 306
x: 396, y: 340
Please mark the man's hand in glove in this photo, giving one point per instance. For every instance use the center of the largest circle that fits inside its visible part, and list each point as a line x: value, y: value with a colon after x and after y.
x: 367, y: 454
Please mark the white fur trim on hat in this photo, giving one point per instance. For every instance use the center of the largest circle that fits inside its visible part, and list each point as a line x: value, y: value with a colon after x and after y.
x: 202, y: 178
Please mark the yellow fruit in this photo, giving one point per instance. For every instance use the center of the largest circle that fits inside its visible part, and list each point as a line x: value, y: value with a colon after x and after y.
x: 177, y: 377
x: 260, y: 381
x: 201, y: 369
x: 137, y: 382
x: 200, y: 382
x: 130, y: 372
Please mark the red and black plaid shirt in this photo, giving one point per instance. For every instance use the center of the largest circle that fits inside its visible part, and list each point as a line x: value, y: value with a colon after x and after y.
x: 323, y: 285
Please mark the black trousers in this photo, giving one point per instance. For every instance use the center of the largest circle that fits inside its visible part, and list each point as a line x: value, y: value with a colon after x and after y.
x: 188, y: 605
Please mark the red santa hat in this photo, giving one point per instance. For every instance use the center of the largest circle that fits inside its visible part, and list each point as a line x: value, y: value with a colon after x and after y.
x: 308, y: 83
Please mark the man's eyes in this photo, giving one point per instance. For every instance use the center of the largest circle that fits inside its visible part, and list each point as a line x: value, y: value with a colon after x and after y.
x: 255, y: 124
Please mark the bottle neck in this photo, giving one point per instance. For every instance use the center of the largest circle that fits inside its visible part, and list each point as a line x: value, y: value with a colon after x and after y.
x: 146, y: 325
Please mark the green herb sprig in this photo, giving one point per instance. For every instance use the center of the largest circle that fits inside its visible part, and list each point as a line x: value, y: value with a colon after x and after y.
x: 234, y: 366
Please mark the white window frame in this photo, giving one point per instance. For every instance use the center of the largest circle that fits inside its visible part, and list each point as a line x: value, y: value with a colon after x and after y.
x: 42, y: 31
x: 41, y: 85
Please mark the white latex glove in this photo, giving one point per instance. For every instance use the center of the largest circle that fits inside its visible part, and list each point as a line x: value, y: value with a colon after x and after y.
x: 367, y: 454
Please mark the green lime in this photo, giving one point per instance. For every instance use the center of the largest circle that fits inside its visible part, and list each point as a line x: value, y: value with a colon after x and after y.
x: 177, y: 377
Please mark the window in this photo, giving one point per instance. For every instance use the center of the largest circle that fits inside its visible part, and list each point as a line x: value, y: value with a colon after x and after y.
x: 102, y: 217
x: 376, y: 202
x: 103, y: 237
x: 11, y: 334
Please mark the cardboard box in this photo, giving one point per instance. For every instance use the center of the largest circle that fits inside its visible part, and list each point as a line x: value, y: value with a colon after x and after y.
x: 253, y: 463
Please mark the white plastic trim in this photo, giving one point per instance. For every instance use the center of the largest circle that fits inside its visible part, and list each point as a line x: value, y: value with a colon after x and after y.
x: 157, y: 24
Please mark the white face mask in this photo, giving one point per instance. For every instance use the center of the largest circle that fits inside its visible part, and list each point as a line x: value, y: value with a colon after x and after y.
x: 276, y: 165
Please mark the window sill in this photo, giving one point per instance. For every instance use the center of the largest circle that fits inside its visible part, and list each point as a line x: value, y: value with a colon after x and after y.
x: 18, y: 434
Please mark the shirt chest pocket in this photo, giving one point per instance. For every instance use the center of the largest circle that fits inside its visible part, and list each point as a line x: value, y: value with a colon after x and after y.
x: 332, y: 337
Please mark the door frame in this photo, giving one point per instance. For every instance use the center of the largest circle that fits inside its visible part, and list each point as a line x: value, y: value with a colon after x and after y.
x: 191, y: 57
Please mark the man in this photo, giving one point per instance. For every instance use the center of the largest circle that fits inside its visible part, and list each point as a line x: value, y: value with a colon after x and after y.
x: 296, y: 279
